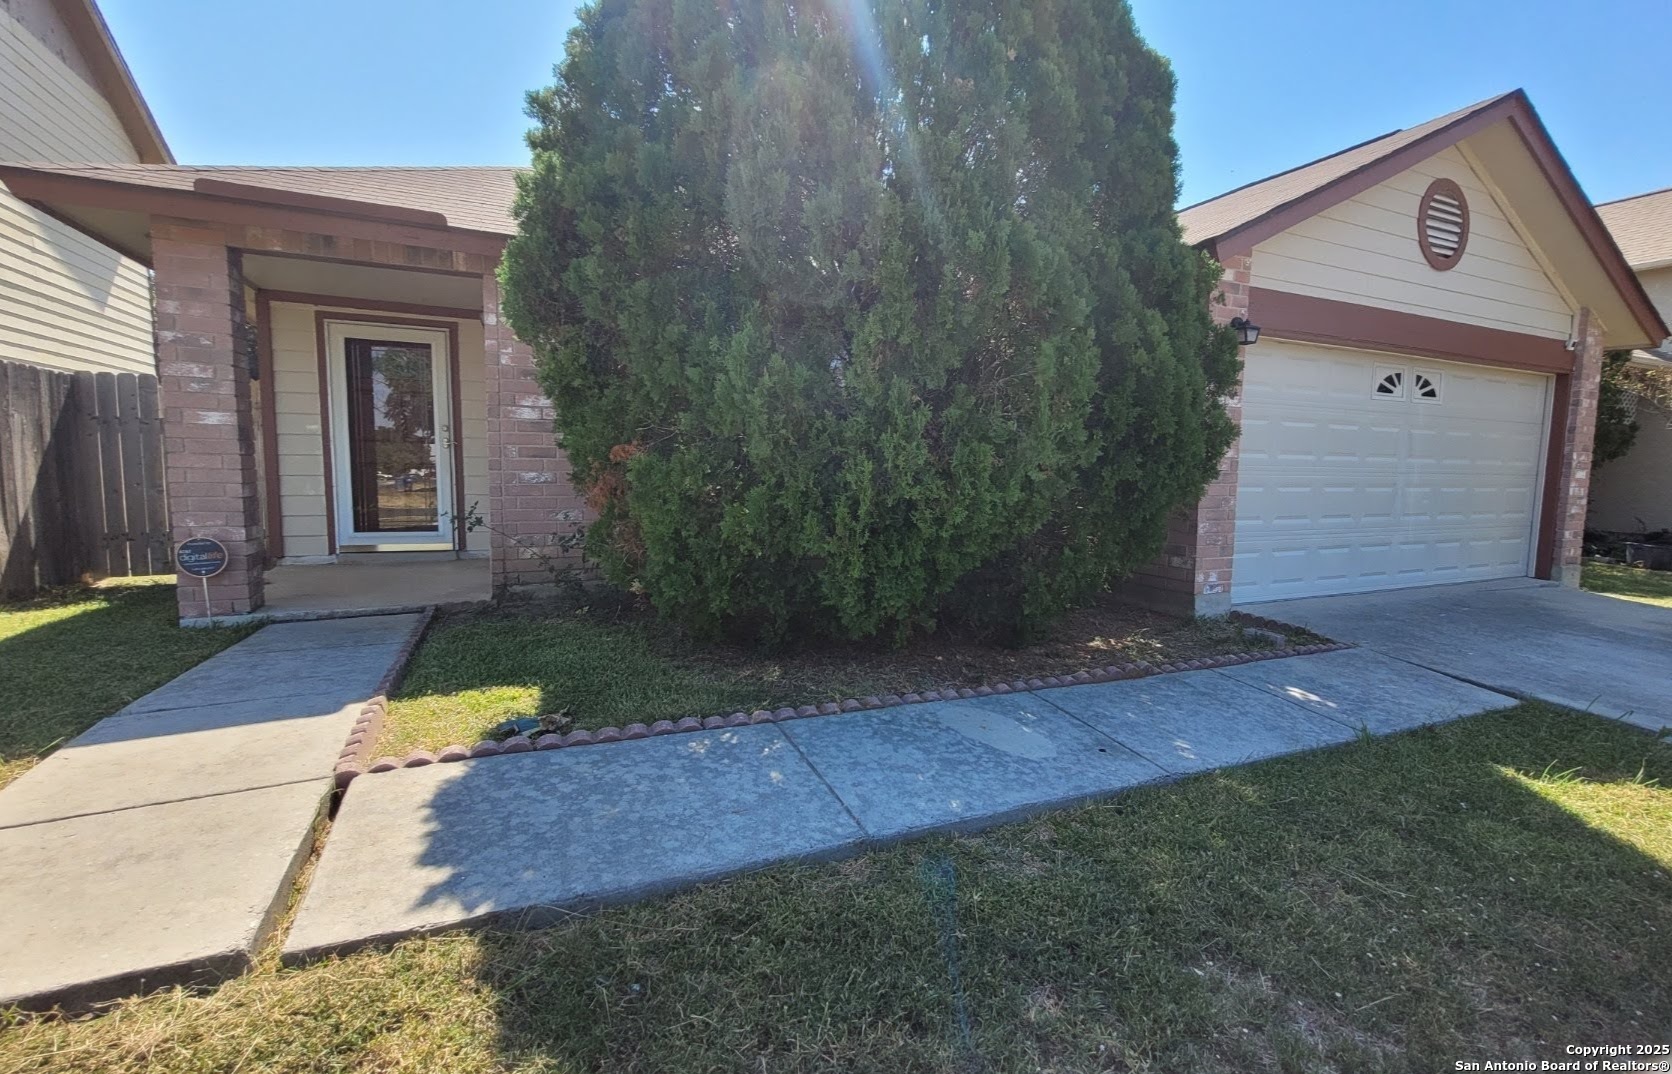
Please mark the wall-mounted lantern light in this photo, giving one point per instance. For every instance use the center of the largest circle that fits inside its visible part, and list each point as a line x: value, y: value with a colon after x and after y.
x: 1248, y: 333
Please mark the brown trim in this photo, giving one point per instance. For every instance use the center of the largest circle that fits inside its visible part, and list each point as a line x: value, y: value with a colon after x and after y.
x: 1544, y: 556
x: 403, y: 322
x: 269, y: 426
x: 35, y: 185
x: 329, y: 462
x: 1284, y: 315
x: 1518, y: 110
x: 456, y: 403
x: 256, y: 251
x: 1536, y: 137
x: 1442, y: 188
x: 373, y: 304
x: 93, y: 40
x: 369, y: 210
x: 456, y: 411
x: 1244, y: 237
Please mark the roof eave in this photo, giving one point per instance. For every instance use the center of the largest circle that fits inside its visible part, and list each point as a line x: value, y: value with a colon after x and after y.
x: 1526, y: 122
x: 56, y: 192
x: 1242, y: 238
x: 98, y: 47
x: 1513, y: 107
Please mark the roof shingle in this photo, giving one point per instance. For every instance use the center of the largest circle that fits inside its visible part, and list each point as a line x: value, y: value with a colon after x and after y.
x: 1641, y: 226
x: 1211, y: 219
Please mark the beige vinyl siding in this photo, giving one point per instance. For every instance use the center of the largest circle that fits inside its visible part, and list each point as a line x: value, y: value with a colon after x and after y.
x: 1658, y: 284
x: 302, y: 503
x: 1365, y: 251
x: 473, y: 426
x: 66, y: 301
x: 1633, y: 493
x: 296, y: 425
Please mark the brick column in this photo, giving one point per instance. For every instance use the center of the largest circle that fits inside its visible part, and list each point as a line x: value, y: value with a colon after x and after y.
x: 1193, y: 575
x: 532, y: 506
x: 208, y: 426
x: 1573, y: 435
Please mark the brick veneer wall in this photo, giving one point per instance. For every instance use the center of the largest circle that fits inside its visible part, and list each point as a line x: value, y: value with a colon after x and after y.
x: 1193, y: 575
x: 210, y: 429
x: 209, y: 435
x: 1578, y: 427
x: 532, y: 505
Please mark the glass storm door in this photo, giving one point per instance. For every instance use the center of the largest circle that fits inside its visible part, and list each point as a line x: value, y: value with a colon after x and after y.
x: 392, y: 438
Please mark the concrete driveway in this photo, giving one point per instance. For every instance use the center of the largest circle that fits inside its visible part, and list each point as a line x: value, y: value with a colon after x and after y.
x: 1525, y: 637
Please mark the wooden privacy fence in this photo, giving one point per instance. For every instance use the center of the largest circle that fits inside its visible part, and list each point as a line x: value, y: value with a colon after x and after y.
x: 81, y: 477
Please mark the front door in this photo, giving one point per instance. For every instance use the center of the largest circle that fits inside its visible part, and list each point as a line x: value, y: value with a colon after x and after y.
x: 391, y: 437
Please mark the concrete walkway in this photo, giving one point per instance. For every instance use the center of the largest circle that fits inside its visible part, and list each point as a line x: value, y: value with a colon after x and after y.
x: 529, y: 837
x: 158, y: 847
x: 1534, y: 639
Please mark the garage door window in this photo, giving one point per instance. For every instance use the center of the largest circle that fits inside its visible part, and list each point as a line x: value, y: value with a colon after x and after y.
x: 1392, y: 382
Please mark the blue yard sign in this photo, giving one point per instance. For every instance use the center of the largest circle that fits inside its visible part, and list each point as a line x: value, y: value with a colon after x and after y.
x: 201, y: 557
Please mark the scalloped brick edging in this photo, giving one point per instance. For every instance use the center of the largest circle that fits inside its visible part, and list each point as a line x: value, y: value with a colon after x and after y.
x: 363, y: 735
x: 553, y: 741
x: 1277, y: 626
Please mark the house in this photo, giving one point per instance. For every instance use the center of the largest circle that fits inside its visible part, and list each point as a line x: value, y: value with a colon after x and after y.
x: 1433, y: 307
x: 67, y: 300
x: 1418, y: 409
x: 336, y: 381
x: 1633, y: 493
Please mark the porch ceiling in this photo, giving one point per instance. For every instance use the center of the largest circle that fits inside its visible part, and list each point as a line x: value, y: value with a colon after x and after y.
x: 307, y: 276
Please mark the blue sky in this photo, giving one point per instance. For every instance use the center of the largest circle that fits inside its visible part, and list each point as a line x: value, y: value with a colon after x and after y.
x: 441, y: 81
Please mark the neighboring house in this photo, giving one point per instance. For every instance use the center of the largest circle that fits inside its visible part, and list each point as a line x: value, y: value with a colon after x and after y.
x: 1634, y: 492
x: 337, y: 378
x: 68, y: 301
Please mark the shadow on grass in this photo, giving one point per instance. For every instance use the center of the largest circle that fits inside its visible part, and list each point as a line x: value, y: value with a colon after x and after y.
x: 69, y: 659
x: 1495, y: 888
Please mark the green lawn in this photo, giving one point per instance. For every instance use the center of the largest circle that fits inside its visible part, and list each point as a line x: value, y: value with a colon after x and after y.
x: 1629, y: 583
x: 1494, y: 889
x: 70, y: 659
x: 475, y: 669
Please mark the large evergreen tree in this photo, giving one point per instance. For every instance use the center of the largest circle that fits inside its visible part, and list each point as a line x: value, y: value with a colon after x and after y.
x: 863, y: 314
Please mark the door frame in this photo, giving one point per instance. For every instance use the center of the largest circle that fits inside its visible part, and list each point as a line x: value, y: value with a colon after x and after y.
x: 330, y: 328
x: 1541, y: 506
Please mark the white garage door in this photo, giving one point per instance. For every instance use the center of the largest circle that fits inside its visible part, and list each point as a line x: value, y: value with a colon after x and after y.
x: 1365, y: 471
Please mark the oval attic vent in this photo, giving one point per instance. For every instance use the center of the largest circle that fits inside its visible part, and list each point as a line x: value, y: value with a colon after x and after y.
x: 1443, y: 224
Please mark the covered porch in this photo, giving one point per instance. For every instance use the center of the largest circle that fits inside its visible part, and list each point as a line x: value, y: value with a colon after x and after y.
x: 343, y: 407
x: 374, y: 585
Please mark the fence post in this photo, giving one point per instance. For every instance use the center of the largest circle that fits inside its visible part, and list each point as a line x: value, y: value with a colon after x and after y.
x: 158, y: 529
x: 89, y: 482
